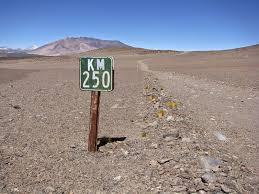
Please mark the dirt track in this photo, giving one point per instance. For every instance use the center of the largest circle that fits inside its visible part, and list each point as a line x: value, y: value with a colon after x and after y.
x: 44, y: 123
x: 220, y: 92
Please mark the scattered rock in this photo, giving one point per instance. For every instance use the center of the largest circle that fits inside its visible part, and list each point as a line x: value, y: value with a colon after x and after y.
x: 173, y: 135
x: 209, y: 163
x: 16, y: 107
x: 225, y: 189
x: 72, y: 146
x: 220, y: 136
x: 154, y: 124
x: 169, y: 118
x: 117, y: 178
x: 208, y: 178
x: 186, y: 139
x: 163, y: 161
x: 191, y: 190
x: 202, y: 192
x: 19, y: 154
x: 15, y: 190
x: 178, y: 119
x: 154, y: 145
x: 157, y: 105
x: 125, y: 152
x: 49, y: 189
x: 153, y: 163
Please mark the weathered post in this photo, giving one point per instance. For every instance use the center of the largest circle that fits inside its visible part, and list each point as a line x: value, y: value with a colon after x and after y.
x: 94, y: 119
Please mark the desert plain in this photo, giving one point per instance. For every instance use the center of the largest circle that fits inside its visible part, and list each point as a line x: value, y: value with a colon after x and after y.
x: 176, y: 122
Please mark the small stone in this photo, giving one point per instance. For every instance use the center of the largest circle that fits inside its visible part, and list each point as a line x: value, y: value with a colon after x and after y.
x: 169, y: 118
x: 186, y: 139
x: 117, y: 178
x: 154, y: 124
x: 182, y: 169
x: 19, y: 154
x: 156, y: 105
x: 154, y: 145
x: 211, y: 187
x: 209, y: 163
x: 125, y: 152
x: 153, y: 163
x: 223, y: 174
x: 72, y: 146
x: 15, y: 189
x: 177, y: 166
x: 178, y: 119
x: 163, y: 161
x: 16, y: 107
x: 220, y: 136
x: 49, y: 189
x: 225, y: 189
x: 208, y: 178
x: 191, y: 190
x: 173, y: 135
x: 202, y: 192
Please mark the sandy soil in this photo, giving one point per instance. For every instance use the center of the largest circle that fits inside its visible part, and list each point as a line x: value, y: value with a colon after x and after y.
x: 44, y: 120
x: 234, y: 67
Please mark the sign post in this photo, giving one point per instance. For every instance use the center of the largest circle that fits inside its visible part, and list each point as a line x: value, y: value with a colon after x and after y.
x: 94, y: 117
x: 96, y: 75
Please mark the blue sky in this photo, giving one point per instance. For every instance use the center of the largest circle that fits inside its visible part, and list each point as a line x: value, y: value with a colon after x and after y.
x: 156, y: 24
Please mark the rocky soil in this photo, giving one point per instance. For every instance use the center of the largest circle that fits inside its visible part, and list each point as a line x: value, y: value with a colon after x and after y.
x: 147, y: 141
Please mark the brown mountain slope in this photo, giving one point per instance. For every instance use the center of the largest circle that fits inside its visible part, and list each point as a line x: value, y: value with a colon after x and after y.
x: 75, y: 45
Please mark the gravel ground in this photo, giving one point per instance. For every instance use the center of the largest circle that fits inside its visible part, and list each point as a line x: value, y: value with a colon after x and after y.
x: 44, y: 125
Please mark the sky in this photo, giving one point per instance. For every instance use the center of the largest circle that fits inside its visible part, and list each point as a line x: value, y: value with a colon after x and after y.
x: 154, y: 24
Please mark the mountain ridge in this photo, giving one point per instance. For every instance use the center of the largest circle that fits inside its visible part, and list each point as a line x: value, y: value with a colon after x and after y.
x: 72, y: 45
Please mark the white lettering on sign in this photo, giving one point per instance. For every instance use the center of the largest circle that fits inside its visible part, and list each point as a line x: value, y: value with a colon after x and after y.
x: 86, y: 79
x: 90, y: 64
x: 107, y: 75
x: 100, y: 64
x: 95, y: 77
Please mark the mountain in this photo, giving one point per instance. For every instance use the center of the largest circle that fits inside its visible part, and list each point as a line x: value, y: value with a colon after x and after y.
x: 7, y: 52
x: 75, y: 45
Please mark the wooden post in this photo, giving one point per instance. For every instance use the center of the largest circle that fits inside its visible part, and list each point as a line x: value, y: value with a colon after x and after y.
x: 94, y: 117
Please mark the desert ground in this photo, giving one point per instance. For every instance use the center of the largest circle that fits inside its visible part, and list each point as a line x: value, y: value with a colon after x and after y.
x: 176, y: 122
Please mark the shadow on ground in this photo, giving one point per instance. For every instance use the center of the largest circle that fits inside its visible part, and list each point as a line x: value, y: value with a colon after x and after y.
x: 105, y: 140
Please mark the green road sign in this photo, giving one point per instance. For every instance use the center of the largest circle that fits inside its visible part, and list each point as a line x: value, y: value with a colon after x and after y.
x: 96, y: 73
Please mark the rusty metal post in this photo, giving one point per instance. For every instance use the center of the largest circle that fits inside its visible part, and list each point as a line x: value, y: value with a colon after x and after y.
x: 94, y: 117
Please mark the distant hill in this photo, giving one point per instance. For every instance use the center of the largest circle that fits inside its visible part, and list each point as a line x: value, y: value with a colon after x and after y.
x: 10, y: 52
x: 125, y: 51
x: 75, y: 45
